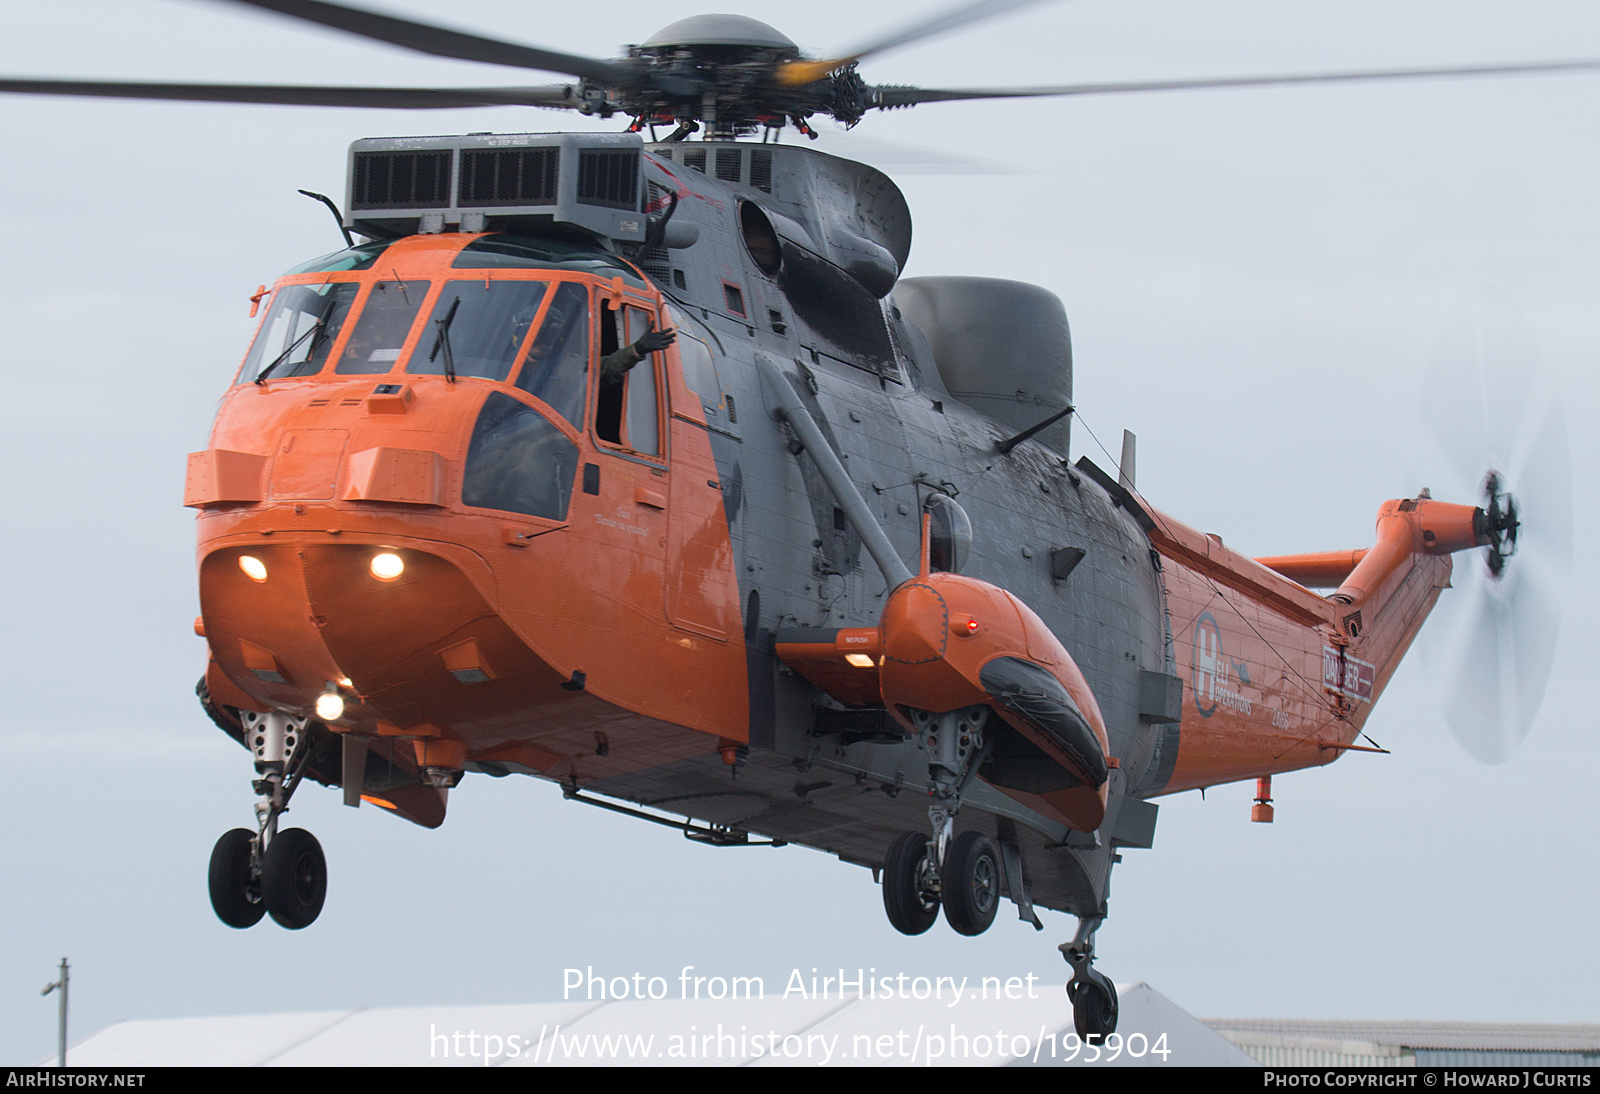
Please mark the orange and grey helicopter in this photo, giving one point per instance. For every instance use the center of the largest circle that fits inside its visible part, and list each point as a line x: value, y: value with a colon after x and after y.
x: 635, y: 465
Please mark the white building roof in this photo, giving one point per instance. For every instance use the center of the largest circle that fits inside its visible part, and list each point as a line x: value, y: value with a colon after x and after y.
x: 763, y: 1032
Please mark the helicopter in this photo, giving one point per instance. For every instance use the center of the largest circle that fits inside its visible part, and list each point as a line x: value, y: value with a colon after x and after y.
x: 837, y: 527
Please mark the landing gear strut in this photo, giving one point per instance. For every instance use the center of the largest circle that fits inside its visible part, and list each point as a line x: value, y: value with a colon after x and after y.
x: 261, y: 872
x: 1094, y: 996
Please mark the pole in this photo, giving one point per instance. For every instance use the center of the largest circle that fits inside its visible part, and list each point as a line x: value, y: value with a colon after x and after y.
x: 61, y: 1032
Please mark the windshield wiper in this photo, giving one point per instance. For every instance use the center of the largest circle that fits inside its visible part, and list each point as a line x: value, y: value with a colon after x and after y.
x: 314, y: 332
x: 443, y: 341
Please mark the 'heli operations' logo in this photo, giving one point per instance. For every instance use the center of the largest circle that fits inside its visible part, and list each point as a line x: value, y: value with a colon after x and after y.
x: 1209, y: 669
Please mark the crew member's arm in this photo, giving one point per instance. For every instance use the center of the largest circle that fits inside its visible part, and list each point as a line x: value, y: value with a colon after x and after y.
x: 614, y: 366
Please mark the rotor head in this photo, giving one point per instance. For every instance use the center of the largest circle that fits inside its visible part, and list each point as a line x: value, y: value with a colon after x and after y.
x: 1496, y: 523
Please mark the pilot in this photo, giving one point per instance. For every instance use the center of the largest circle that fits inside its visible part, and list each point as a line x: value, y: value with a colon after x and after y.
x: 614, y: 366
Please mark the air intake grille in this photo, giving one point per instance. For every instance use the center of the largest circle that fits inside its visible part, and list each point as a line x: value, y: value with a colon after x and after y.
x: 761, y: 170
x: 401, y: 180
x: 512, y: 176
x: 609, y: 179
x: 696, y: 158
x: 728, y: 164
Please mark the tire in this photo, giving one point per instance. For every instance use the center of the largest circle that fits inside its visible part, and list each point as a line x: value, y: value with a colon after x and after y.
x: 911, y: 911
x: 294, y: 879
x: 971, y: 883
x: 235, y: 892
x: 1094, y: 1009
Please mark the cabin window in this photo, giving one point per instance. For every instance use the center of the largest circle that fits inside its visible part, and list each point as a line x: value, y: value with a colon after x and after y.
x: 557, y: 369
x: 627, y: 409
x: 518, y: 461
x: 382, y: 327
x: 699, y: 369
x: 299, y: 330
x: 481, y: 323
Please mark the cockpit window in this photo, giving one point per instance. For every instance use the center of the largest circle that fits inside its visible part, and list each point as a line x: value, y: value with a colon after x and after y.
x: 382, y: 327
x: 359, y: 257
x: 299, y: 329
x: 528, y: 253
x: 557, y: 368
x: 518, y: 462
x: 480, y: 325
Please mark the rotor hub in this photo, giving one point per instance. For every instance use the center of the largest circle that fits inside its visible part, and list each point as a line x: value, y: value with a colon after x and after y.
x: 1496, y: 523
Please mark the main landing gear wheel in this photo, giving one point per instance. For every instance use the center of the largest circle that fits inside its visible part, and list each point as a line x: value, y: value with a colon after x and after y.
x: 971, y: 877
x: 1094, y: 1008
x: 911, y: 907
x: 294, y: 879
x: 235, y: 890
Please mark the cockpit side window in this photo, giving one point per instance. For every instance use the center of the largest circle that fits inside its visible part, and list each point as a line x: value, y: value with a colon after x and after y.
x: 299, y: 330
x: 627, y: 406
x: 557, y: 369
x: 644, y: 428
x: 382, y: 327
x: 480, y: 324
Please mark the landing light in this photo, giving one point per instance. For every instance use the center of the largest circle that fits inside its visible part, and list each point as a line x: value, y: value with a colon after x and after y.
x: 330, y: 704
x: 859, y: 660
x: 253, y: 567
x: 387, y: 566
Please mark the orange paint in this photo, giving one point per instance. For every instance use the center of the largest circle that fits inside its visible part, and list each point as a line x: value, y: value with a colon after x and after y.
x: 315, y: 475
x: 1275, y: 677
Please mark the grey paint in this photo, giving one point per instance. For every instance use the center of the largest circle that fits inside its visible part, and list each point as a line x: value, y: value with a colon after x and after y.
x: 891, y: 426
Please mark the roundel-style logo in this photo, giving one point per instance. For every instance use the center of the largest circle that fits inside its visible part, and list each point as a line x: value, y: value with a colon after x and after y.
x: 1208, y: 668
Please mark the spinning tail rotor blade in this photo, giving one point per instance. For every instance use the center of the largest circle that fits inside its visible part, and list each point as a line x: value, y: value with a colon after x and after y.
x: 440, y: 41
x: 1500, y: 439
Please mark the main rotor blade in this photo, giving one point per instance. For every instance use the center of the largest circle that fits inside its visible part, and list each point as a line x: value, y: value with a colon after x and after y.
x: 440, y: 41
x: 804, y: 72
x: 393, y: 98
x: 889, y: 97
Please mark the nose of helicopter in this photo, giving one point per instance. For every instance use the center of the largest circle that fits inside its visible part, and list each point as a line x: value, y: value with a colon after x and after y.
x: 406, y: 632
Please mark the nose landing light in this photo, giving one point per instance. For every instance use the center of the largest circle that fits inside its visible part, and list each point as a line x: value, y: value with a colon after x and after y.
x: 253, y: 567
x: 387, y: 566
x: 330, y: 704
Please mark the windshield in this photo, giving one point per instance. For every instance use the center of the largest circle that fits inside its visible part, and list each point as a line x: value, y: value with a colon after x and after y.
x: 527, y: 253
x: 359, y: 257
x: 557, y: 369
x: 298, y: 331
x: 382, y: 327
x: 480, y: 325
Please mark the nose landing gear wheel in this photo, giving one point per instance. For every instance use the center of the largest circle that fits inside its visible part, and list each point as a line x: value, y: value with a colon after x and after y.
x: 971, y: 883
x: 235, y: 891
x: 1094, y: 1008
x: 911, y: 906
x: 294, y: 879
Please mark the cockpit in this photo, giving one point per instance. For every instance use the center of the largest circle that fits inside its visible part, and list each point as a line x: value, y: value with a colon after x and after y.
x: 480, y: 319
x: 537, y: 319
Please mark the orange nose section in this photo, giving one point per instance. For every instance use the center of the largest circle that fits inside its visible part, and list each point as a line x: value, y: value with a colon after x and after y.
x: 415, y: 638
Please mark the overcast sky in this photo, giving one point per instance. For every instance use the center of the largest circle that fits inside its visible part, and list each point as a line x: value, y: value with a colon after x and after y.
x: 1256, y: 281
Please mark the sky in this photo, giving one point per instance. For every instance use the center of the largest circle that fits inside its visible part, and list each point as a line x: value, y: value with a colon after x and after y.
x: 1256, y: 280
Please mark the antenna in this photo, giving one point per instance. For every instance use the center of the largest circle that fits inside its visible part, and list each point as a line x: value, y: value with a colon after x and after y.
x: 1125, y: 469
x: 61, y: 1038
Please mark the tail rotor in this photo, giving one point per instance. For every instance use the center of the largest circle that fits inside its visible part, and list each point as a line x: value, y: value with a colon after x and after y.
x: 1495, y: 632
